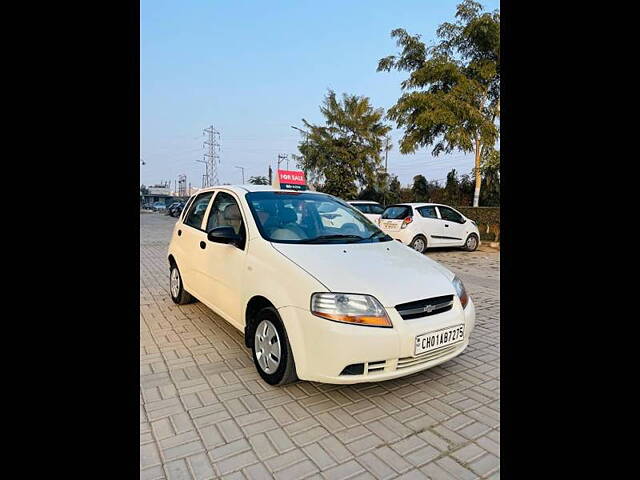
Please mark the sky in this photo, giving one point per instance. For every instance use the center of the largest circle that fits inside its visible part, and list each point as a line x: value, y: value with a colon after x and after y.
x: 252, y: 69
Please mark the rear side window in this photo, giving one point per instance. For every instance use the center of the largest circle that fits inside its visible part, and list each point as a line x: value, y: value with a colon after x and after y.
x: 362, y: 207
x: 185, y: 207
x: 428, y: 212
x: 376, y: 209
x: 396, y: 212
x: 196, y: 211
x: 451, y: 215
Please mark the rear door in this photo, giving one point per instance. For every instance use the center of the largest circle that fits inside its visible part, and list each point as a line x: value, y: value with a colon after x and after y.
x: 430, y: 225
x: 393, y: 217
x: 453, y: 226
x: 190, y: 240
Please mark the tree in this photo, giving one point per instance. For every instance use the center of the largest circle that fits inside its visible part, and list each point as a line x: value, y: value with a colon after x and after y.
x: 259, y: 180
x: 345, y: 153
x: 144, y: 190
x: 452, y: 94
x: 394, y: 190
x: 490, y: 170
x: 420, y: 188
x: 452, y: 187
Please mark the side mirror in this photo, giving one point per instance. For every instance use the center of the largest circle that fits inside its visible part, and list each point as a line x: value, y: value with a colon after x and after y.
x: 224, y: 235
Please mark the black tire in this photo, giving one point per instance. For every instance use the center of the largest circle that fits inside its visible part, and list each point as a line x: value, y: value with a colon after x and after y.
x: 417, y: 241
x: 286, y: 370
x: 183, y: 297
x: 471, y: 243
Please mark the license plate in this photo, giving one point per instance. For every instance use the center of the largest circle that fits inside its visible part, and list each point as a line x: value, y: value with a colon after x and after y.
x: 391, y: 225
x: 440, y: 338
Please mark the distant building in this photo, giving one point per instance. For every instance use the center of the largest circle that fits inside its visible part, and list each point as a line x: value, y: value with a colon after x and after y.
x: 158, y: 193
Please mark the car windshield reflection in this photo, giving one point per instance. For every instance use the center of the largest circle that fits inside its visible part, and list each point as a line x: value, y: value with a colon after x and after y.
x: 310, y: 218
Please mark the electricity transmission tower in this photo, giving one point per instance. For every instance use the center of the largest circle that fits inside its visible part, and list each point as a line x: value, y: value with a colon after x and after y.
x: 211, y: 156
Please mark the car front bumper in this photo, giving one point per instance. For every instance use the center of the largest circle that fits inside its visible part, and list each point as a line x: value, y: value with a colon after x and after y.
x: 322, y: 348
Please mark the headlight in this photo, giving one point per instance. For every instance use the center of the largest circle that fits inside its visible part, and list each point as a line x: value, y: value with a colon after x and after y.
x: 460, y: 290
x: 350, y: 308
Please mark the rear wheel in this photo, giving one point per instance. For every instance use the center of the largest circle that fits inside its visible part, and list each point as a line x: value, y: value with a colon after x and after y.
x: 471, y: 244
x: 271, y: 350
x: 178, y: 294
x: 419, y: 243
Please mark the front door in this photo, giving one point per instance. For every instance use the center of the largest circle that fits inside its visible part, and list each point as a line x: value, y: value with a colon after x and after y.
x: 453, y: 226
x: 222, y: 267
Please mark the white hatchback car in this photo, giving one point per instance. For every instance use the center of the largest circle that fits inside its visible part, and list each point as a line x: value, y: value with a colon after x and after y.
x: 422, y: 225
x: 371, y: 210
x: 318, y: 302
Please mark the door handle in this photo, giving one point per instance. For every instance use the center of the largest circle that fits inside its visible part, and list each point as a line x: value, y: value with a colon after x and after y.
x: 179, y: 232
x: 203, y: 245
x: 446, y: 225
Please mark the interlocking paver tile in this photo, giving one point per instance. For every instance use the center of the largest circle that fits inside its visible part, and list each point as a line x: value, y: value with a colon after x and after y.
x: 178, y: 470
x: 485, y: 465
x: 319, y: 456
x: 205, y: 412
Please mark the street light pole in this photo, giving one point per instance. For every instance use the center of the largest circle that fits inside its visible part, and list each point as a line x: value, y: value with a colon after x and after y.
x: 306, y: 134
x: 241, y: 168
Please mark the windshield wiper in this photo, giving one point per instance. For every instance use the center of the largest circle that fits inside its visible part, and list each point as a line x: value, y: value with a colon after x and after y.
x: 374, y: 234
x: 330, y: 237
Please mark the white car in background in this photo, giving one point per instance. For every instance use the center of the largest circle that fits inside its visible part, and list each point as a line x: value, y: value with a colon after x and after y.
x: 371, y: 210
x: 422, y: 225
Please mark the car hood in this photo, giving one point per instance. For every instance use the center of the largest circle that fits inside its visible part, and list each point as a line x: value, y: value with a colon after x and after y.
x: 390, y: 271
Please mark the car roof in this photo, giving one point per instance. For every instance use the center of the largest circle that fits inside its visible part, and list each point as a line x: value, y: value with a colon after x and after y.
x: 418, y: 204
x: 242, y: 189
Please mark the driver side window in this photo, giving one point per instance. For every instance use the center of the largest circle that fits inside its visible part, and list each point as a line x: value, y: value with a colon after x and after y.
x: 225, y: 212
x: 450, y: 214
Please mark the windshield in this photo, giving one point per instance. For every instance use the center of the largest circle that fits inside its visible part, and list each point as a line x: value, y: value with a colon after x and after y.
x: 299, y: 217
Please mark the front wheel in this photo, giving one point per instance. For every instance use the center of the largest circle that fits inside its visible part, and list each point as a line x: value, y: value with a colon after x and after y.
x: 419, y: 243
x: 472, y: 243
x: 271, y: 350
x: 178, y: 294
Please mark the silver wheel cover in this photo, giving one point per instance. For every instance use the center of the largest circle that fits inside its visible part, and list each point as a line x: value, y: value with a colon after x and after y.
x: 174, y: 281
x: 471, y: 242
x: 418, y: 245
x: 267, y: 346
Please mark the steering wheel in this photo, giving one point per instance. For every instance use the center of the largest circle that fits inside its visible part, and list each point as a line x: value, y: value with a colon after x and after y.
x: 350, y: 229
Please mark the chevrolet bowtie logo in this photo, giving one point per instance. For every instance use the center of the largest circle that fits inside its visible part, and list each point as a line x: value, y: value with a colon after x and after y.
x: 429, y: 308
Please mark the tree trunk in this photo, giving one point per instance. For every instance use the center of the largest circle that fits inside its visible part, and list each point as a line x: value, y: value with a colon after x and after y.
x: 476, y: 193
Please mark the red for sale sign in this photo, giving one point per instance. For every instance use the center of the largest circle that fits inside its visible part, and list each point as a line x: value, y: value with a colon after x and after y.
x: 292, y: 180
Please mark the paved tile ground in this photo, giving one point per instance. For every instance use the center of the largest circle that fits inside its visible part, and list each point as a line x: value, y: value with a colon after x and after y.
x: 205, y: 413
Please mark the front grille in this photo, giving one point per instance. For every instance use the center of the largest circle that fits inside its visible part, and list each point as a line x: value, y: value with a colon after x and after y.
x: 393, y: 365
x: 409, y: 362
x: 425, y: 308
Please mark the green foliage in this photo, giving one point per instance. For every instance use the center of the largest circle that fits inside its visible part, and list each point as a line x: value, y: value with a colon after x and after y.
x: 144, y: 190
x: 452, y: 95
x: 258, y: 180
x: 487, y: 219
x: 344, y: 154
x: 484, y: 215
x: 420, y: 188
x: 456, y: 191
